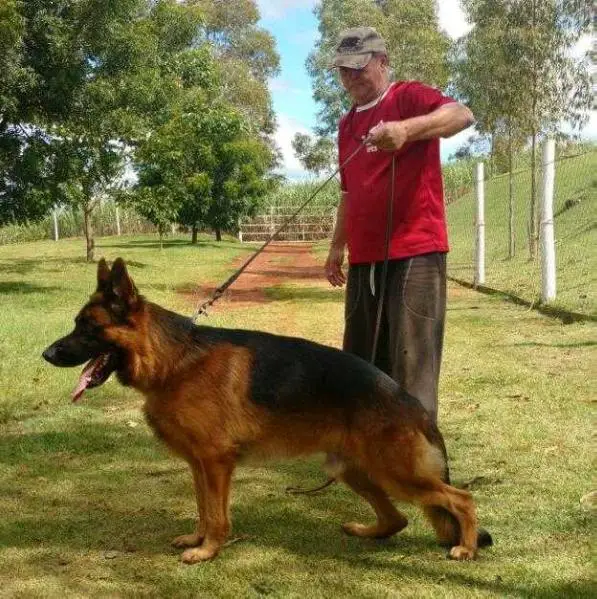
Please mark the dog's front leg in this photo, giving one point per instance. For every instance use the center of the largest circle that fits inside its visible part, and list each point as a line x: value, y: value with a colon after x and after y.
x: 196, y: 538
x: 217, y: 473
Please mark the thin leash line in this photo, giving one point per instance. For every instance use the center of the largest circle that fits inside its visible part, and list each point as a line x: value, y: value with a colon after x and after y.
x: 202, y: 309
x: 384, y: 271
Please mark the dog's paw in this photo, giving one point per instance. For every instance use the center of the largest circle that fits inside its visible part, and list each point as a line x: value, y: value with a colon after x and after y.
x: 192, y: 540
x: 462, y: 553
x: 199, y: 554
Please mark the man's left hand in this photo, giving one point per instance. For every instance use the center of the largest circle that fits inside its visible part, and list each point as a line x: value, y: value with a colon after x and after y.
x: 388, y: 136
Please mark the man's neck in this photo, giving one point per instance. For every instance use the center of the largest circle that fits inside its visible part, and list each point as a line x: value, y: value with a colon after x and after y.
x: 374, y: 98
x: 375, y: 95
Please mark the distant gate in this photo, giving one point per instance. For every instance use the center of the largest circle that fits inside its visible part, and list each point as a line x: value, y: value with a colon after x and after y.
x: 307, y: 226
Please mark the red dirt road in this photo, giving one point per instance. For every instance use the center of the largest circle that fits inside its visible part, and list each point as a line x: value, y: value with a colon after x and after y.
x: 280, y: 262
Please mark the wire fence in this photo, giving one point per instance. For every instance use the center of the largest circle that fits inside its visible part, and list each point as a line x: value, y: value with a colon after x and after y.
x: 509, y: 266
x: 314, y: 223
x: 107, y: 219
x: 309, y: 225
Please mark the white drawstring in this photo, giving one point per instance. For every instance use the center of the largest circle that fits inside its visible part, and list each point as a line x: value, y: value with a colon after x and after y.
x: 372, y: 278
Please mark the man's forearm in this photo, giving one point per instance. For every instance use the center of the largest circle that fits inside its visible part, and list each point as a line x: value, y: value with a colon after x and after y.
x: 446, y: 121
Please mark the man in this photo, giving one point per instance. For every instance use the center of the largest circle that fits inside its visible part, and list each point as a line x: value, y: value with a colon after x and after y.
x: 403, y: 120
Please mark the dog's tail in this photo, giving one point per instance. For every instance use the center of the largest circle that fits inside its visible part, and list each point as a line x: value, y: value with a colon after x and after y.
x: 446, y: 526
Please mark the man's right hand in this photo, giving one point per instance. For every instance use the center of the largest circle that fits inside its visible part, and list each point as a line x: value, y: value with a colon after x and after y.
x: 333, y: 267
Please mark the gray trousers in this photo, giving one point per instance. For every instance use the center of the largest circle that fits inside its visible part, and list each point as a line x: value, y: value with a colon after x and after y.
x: 412, y: 327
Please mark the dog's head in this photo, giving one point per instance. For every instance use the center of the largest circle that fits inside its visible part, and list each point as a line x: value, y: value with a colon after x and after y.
x: 95, y: 338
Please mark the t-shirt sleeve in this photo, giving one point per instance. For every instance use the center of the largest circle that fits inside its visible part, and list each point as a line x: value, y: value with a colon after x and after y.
x: 417, y: 99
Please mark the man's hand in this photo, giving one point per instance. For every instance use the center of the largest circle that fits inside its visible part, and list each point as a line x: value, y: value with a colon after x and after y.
x: 333, y: 266
x: 388, y: 136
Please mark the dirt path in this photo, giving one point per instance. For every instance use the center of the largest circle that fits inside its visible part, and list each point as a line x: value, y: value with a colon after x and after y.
x: 280, y: 262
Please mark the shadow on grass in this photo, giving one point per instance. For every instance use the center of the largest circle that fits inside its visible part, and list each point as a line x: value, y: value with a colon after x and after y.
x: 171, y: 244
x: 291, y: 272
x: 259, y: 295
x: 103, y: 488
x: 578, y: 344
x: 24, y: 266
x: 566, y: 316
x: 18, y: 288
x: 304, y: 294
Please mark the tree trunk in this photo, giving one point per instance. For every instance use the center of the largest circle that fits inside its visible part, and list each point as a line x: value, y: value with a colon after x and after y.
x: 87, y: 210
x: 492, y: 144
x: 194, y: 236
x: 511, y: 239
x: 218, y: 234
x: 533, y: 210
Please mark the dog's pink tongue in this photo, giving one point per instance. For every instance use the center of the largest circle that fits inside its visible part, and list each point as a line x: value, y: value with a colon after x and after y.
x: 84, y: 380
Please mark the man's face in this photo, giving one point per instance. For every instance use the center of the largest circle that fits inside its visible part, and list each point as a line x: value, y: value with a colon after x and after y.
x: 364, y: 85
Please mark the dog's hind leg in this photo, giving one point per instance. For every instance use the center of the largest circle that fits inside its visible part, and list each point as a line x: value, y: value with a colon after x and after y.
x: 196, y: 538
x: 430, y: 493
x: 389, y: 519
x: 416, y: 473
x: 217, y: 473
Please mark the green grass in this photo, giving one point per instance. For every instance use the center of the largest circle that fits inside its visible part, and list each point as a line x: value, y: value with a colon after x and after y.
x: 90, y: 500
x: 575, y: 234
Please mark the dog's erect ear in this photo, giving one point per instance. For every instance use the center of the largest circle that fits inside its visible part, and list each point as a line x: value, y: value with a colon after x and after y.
x: 122, y: 284
x: 103, y: 276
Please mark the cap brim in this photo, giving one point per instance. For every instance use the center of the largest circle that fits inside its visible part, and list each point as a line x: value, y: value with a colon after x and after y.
x: 351, y: 61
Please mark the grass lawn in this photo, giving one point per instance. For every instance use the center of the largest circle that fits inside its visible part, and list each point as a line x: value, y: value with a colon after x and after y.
x: 90, y: 500
x: 575, y: 219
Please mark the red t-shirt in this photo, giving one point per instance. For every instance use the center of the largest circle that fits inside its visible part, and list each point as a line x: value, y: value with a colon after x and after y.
x: 419, y: 223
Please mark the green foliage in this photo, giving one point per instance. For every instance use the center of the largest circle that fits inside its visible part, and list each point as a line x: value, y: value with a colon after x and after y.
x: 205, y: 166
x: 316, y: 155
x: 459, y: 178
x: 89, y: 83
x: 515, y: 70
x: 293, y: 195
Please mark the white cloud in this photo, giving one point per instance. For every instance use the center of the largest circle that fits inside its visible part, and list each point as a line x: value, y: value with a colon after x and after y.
x: 287, y: 128
x: 452, y: 19
x: 276, y: 9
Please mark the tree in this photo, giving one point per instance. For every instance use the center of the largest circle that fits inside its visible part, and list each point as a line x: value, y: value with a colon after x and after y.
x: 516, y: 72
x: 315, y: 154
x: 246, y: 54
x: 240, y: 177
x: 205, y: 166
x: 87, y: 82
x: 487, y: 80
x: 208, y: 159
x: 94, y: 73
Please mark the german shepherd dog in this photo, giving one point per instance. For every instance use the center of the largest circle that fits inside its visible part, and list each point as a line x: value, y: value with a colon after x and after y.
x: 215, y: 395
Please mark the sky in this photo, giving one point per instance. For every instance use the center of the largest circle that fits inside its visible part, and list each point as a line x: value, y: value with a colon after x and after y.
x: 294, y: 27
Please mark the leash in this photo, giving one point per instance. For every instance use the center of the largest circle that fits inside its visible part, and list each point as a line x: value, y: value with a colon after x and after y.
x: 384, y: 270
x: 382, y: 292
x: 217, y: 294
